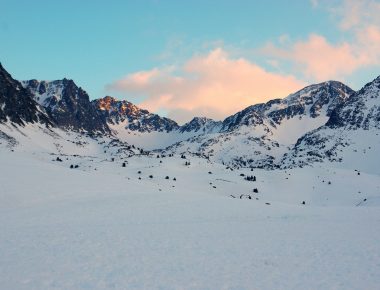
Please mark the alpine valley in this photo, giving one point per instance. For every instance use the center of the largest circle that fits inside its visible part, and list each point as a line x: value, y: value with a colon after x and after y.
x: 102, y: 194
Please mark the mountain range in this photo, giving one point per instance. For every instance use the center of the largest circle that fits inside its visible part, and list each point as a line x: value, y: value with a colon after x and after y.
x: 321, y: 122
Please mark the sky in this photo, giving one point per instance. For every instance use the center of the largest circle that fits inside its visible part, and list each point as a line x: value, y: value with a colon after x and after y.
x: 192, y: 58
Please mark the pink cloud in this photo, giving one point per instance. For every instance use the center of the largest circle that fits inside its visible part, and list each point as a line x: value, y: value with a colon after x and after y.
x: 319, y: 60
x: 213, y: 85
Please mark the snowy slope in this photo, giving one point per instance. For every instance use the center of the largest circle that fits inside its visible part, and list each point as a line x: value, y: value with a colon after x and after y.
x: 101, y: 227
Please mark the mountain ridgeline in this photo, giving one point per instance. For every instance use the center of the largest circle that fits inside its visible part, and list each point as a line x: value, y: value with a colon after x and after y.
x: 298, y: 130
x: 68, y: 105
x: 17, y: 104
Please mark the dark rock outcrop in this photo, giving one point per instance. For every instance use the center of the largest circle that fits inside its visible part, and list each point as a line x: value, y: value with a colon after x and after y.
x: 17, y: 104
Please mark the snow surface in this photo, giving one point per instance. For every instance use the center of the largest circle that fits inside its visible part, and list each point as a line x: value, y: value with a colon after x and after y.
x: 101, y: 227
x: 150, y: 140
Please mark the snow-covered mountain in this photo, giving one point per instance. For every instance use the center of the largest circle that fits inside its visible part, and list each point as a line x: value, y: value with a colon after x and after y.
x: 351, y: 135
x: 122, y: 112
x: 147, y: 130
x: 261, y: 134
x: 320, y: 122
x: 68, y: 105
x: 54, y: 118
x: 202, y: 125
x: 313, y: 101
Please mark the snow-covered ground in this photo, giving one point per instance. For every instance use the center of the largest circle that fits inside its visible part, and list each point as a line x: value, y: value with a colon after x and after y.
x: 101, y: 227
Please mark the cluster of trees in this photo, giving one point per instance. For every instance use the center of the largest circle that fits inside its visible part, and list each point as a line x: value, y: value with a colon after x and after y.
x: 250, y: 178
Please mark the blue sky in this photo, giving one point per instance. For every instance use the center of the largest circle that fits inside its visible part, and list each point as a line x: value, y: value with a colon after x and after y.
x: 101, y: 43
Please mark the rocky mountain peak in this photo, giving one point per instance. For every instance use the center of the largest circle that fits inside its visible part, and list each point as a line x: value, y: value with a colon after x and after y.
x: 312, y: 101
x: 124, y: 113
x: 197, y: 124
x: 68, y: 104
x: 362, y: 110
x: 17, y: 104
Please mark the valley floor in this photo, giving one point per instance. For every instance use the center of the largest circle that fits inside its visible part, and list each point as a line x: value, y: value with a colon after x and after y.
x: 101, y: 227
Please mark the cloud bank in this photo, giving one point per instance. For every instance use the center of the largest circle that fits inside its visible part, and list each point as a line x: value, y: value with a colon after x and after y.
x: 213, y: 85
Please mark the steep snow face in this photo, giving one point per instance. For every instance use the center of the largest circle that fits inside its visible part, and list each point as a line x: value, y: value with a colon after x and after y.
x: 68, y: 104
x: 350, y: 135
x: 261, y: 134
x: 17, y: 104
x: 361, y: 111
x: 46, y: 93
